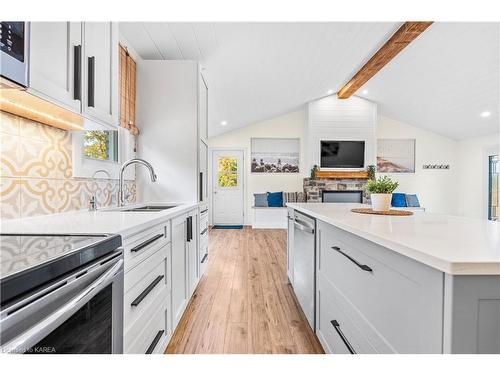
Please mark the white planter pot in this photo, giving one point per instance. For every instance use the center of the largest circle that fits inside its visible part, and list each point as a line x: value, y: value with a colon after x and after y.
x: 381, y: 202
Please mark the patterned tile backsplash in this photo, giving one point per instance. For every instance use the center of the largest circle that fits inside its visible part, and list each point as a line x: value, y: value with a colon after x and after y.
x: 36, y: 172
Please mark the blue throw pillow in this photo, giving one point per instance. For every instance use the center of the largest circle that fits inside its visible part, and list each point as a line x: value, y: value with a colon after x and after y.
x: 275, y: 199
x: 412, y: 200
x: 398, y: 200
x: 260, y: 200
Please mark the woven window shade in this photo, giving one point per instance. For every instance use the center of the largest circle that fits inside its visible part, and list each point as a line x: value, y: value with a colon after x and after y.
x: 127, y: 91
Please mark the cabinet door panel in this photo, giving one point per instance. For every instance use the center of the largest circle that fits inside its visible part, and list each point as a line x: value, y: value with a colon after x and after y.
x: 52, y: 63
x: 203, y: 109
x: 203, y: 177
x: 192, y: 249
x: 101, y: 56
x: 179, y: 277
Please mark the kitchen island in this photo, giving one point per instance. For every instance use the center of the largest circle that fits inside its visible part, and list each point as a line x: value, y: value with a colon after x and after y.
x: 425, y: 283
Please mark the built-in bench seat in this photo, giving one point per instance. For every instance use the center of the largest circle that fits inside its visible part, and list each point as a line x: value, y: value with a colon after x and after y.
x: 269, y: 217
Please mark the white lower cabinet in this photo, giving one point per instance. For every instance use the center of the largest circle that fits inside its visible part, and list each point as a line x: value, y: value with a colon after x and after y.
x: 179, y: 269
x: 147, y: 287
x: 192, y: 251
x: 203, y: 241
x: 162, y: 271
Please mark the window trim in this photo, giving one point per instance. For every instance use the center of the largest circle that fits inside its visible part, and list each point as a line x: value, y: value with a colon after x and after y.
x: 84, y: 167
x: 487, y: 152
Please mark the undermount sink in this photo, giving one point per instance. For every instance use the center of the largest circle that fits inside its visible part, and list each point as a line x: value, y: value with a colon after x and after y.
x: 148, y: 209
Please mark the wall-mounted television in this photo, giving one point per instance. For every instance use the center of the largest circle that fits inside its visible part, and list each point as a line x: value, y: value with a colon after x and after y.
x: 342, y: 154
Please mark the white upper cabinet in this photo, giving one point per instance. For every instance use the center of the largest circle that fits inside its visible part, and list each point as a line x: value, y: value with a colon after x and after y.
x: 53, y: 68
x: 203, y: 109
x: 101, y: 72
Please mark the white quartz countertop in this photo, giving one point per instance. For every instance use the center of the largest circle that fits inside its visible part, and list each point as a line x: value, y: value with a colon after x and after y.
x: 102, y: 221
x: 452, y: 244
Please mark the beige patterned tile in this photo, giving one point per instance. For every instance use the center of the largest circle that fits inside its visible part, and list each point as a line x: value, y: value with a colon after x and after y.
x: 69, y: 194
x: 9, y: 165
x: 39, y: 197
x: 36, y: 131
x: 10, y: 198
x: 9, y: 124
x: 39, y: 159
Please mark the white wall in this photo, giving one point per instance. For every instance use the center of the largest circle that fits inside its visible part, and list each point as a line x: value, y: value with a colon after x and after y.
x: 436, y: 189
x: 330, y: 118
x: 286, y: 126
x: 472, y: 184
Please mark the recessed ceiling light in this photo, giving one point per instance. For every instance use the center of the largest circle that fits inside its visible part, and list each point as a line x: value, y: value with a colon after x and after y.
x: 365, y: 92
x: 330, y: 92
x: 485, y: 114
x: 223, y: 123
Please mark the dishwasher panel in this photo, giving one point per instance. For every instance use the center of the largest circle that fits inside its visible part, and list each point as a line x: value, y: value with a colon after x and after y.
x: 304, y: 276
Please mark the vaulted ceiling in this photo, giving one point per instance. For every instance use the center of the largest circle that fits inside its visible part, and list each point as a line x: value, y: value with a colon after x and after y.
x: 442, y: 81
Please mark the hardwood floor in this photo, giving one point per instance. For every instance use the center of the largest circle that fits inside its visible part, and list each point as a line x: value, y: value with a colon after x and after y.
x: 243, y: 303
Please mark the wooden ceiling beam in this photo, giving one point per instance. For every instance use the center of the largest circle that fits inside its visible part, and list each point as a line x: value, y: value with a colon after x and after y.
x: 406, y: 34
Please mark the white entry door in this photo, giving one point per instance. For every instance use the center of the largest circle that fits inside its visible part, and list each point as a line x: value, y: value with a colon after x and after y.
x: 227, y: 187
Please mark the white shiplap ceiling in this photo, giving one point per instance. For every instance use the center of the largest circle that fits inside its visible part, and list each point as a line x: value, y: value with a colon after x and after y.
x: 444, y: 80
x: 255, y: 71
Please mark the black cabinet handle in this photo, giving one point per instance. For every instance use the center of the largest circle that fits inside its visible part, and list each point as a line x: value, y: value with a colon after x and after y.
x: 146, y: 291
x: 201, y: 186
x: 146, y: 243
x: 77, y: 73
x: 205, y: 210
x: 155, y: 341
x: 91, y: 79
x: 364, y: 267
x: 189, y: 231
x: 204, y: 231
x: 336, y: 325
x: 204, y: 258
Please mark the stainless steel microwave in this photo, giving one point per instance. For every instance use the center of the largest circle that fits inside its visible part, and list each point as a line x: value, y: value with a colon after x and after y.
x: 14, y: 43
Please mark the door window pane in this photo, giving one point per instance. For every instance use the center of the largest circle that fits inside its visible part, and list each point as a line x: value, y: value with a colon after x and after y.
x: 494, y: 188
x: 227, y: 172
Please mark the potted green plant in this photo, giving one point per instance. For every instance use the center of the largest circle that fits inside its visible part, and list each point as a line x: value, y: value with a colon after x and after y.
x: 381, y: 192
x: 371, y: 172
x: 314, y: 169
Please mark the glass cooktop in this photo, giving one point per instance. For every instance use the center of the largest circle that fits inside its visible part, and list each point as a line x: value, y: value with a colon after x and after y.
x: 28, y: 261
x: 20, y: 252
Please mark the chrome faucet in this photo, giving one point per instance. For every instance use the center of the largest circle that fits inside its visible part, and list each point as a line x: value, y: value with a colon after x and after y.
x: 93, y: 199
x: 121, y: 199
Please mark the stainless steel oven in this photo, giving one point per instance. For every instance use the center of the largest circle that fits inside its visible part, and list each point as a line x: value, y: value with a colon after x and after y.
x: 14, y: 44
x: 80, y: 311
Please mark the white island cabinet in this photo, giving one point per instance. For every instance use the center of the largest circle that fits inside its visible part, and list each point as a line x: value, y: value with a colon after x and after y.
x: 420, y: 284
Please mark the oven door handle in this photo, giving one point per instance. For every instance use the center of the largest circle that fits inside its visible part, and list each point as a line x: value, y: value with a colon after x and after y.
x: 27, y: 339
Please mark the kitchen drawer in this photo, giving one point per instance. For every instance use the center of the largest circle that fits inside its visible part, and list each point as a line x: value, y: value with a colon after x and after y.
x: 142, y: 245
x: 203, y: 259
x: 401, y: 298
x: 203, y: 222
x: 335, y: 329
x: 148, y: 289
x: 152, y: 333
x: 146, y: 267
x: 204, y: 238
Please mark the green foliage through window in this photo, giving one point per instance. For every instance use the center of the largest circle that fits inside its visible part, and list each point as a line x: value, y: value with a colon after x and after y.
x: 101, y: 144
x: 228, y: 172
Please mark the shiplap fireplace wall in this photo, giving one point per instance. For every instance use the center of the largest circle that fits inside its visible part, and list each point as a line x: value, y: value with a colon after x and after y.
x: 330, y: 118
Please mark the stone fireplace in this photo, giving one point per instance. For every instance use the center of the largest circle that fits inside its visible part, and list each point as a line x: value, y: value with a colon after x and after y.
x: 313, y: 189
